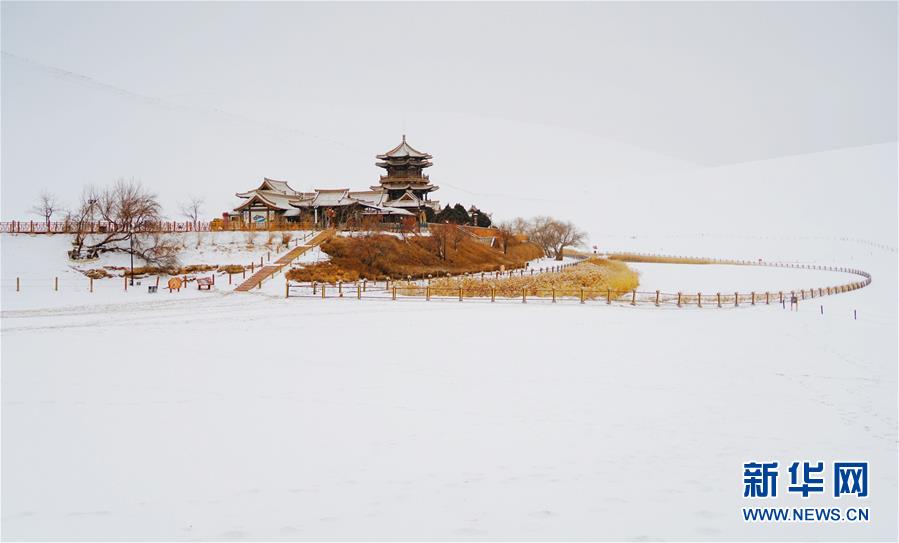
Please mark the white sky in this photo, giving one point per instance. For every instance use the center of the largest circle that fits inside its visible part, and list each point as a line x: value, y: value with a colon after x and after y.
x: 526, y: 107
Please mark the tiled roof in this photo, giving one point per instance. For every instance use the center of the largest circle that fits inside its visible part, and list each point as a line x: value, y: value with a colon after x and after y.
x: 404, y: 150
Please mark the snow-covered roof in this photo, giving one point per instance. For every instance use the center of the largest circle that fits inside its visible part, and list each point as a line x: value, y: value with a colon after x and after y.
x: 385, y: 210
x: 279, y: 186
x: 368, y: 196
x: 408, y: 199
x: 269, y: 198
x: 331, y: 197
x: 404, y: 150
x: 272, y: 186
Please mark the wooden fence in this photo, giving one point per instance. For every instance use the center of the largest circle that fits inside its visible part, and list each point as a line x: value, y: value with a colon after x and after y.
x: 422, y: 289
x: 101, y: 227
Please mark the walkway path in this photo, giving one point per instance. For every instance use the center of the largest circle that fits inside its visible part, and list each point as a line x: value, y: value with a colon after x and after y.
x: 265, y: 272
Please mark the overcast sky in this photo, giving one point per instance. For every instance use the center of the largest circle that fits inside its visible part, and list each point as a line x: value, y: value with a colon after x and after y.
x: 518, y: 102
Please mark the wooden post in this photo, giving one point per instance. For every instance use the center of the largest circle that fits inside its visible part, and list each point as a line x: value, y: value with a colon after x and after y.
x: 781, y: 297
x: 657, y: 298
x: 17, y: 284
x: 678, y: 299
x: 428, y: 292
x: 719, y: 299
x: 767, y: 298
x: 323, y: 290
x: 243, y: 273
x: 394, y: 293
x: 286, y: 288
x: 260, y: 262
x: 736, y: 299
x: 582, y: 294
x: 252, y: 267
x: 340, y: 289
x: 699, y: 299
x: 492, y: 294
x: 364, y: 284
x: 460, y: 293
x: 358, y: 291
x: 56, y: 283
x: 91, y: 283
x: 554, y: 294
x: 126, y: 282
x: 753, y: 297
x: 524, y: 295
x: 634, y: 297
x: 229, y: 278
x: 258, y: 285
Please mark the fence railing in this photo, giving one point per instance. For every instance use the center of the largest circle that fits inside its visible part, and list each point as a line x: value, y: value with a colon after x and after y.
x: 424, y: 290
x: 100, y: 227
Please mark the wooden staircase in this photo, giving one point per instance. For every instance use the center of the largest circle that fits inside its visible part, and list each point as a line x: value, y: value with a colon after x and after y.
x: 255, y: 280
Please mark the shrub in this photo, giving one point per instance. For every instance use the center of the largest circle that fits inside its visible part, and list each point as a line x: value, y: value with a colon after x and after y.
x: 96, y: 273
x: 231, y: 268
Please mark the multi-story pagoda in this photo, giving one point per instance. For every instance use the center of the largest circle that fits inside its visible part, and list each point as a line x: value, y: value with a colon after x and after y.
x: 406, y: 185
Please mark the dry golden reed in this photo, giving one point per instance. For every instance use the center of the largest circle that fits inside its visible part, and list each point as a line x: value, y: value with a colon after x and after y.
x: 596, y: 276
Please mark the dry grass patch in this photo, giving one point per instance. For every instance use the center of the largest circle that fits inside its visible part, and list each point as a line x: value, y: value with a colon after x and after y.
x: 322, y: 272
x: 596, y: 276
x: 96, y: 273
x: 653, y: 259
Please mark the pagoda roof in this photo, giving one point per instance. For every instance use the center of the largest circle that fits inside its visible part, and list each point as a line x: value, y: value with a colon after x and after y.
x: 394, y: 185
x: 404, y: 150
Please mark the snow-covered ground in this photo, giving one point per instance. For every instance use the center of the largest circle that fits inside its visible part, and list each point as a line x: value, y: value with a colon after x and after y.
x: 247, y: 416
x: 710, y: 279
x: 40, y: 262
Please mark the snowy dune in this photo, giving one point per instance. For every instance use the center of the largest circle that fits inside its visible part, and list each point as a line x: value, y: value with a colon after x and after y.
x: 254, y: 417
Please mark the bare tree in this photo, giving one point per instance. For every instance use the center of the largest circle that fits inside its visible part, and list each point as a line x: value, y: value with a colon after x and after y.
x: 127, y: 213
x: 192, y: 209
x: 509, y: 230
x: 445, y: 235
x: 553, y: 236
x: 47, y: 204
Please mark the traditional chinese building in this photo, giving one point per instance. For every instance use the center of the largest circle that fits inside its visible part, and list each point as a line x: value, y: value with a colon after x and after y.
x: 406, y: 184
x: 402, y: 192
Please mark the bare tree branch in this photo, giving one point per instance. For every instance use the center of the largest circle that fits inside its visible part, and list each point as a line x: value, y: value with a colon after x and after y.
x: 47, y: 204
x: 192, y: 209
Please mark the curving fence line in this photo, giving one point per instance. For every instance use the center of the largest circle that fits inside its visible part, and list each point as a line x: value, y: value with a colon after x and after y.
x: 423, y: 290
